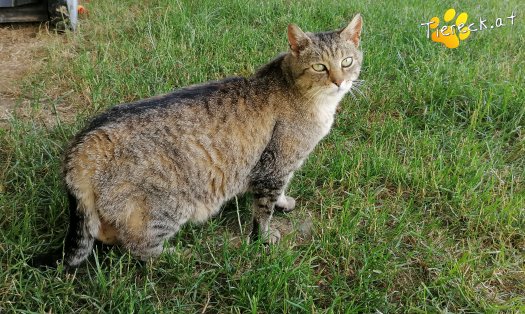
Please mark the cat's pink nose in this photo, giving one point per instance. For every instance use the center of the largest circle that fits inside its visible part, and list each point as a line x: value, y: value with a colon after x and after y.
x: 338, y: 82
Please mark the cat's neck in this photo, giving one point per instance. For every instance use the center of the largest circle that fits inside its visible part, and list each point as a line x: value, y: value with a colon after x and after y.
x: 274, y: 71
x: 278, y: 76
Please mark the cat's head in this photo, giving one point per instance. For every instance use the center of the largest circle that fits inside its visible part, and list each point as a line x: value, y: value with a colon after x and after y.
x: 328, y: 63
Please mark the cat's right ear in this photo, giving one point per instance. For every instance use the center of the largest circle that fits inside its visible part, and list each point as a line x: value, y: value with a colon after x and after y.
x: 297, y: 39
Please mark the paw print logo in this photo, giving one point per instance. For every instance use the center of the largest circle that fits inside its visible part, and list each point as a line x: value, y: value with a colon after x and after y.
x: 450, y: 35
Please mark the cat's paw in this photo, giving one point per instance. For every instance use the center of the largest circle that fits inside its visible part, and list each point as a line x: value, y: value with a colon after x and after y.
x: 285, y: 204
x: 273, y: 236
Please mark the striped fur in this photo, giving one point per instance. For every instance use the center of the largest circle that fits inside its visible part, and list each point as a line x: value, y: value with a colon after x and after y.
x: 140, y: 171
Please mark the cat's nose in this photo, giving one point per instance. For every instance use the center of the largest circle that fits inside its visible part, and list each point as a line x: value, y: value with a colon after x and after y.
x: 337, y: 82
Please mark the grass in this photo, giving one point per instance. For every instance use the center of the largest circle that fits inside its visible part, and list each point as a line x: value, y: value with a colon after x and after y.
x: 417, y: 196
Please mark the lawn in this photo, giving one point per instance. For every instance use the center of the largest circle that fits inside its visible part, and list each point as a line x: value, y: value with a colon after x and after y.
x: 415, y: 202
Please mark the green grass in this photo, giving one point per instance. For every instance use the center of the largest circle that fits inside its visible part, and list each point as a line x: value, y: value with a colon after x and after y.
x: 417, y: 196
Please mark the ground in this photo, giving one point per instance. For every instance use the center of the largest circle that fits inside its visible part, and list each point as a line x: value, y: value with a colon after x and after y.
x: 21, y: 48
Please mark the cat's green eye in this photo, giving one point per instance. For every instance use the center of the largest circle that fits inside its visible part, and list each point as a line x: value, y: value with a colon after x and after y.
x: 347, y: 62
x: 319, y: 67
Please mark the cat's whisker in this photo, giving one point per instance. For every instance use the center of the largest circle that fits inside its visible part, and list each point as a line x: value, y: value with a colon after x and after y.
x: 356, y: 87
x: 357, y: 83
x: 360, y: 92
x: 352, y: 94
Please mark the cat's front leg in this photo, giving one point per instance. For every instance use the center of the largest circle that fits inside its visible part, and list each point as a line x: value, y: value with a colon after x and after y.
x: 285, y: 203
x: 266, y: 194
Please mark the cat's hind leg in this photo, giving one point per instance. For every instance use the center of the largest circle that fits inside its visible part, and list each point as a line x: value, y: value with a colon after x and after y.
x: 144, y: 246
x: 145, y: 250
x: 146, y: 230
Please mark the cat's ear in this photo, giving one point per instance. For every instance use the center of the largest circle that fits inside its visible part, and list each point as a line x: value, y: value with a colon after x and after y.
x: 353, y: 31
x: 297, y: 39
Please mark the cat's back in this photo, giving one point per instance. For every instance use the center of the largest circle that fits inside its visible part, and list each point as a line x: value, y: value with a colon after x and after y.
x: 191, y: 109
x: 207, y: 98
x: 222, y: 125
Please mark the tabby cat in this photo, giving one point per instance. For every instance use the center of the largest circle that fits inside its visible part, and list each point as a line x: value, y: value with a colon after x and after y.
x: 140, y: 171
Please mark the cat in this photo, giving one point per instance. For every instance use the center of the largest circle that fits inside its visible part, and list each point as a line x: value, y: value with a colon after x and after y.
x: 140, y: 171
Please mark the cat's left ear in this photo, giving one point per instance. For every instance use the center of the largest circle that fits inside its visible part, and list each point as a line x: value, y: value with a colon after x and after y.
x: 353, y: 31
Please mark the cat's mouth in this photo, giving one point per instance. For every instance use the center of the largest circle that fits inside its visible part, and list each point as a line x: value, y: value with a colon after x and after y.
x: 342, y: 89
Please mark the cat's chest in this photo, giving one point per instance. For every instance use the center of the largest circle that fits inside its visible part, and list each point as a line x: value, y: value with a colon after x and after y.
x: 324, y: 114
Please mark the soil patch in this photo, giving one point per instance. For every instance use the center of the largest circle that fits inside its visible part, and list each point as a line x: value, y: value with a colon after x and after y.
x: 22, y: 50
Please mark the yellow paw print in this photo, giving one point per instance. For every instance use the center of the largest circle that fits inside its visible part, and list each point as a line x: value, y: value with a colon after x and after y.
x: 448, y: 36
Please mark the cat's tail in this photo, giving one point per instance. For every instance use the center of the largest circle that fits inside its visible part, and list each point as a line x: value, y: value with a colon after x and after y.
x: 79, y: 241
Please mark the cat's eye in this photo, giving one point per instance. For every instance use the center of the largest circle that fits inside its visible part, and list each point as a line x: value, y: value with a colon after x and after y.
x: 347, y: 62
x: 319, y: 67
